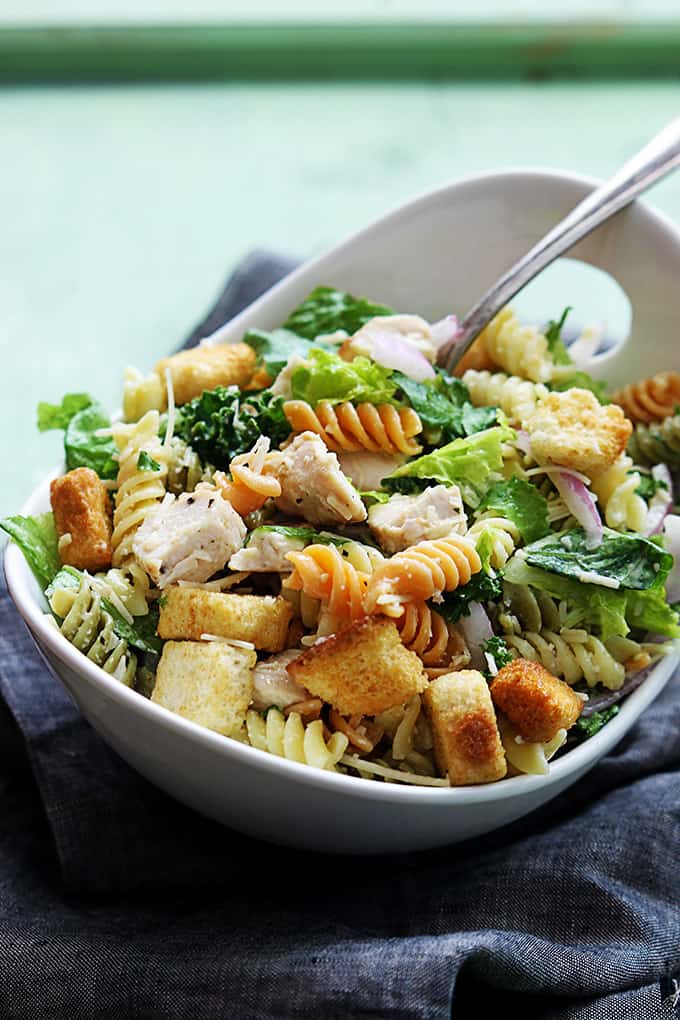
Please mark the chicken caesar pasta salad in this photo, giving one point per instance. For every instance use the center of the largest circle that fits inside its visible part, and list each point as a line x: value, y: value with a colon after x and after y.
x: 318, y: 543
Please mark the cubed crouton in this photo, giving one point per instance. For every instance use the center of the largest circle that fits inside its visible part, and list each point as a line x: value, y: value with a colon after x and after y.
x: 467, y: 744
x: 210, y: 683
x: 186, y: 613
x: 205, y: 367
x: 82, y: 517
x: 573, y: 430
x: 363, y: 669
x: 537, y: 703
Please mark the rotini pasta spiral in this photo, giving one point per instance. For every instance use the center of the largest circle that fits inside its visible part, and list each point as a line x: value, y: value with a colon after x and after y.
x: 615, y: 489
x: 517, y: 349
x: 89, y: 627
x: 128, y: 584
x: 573, y: 655
x: 650, y: 399
x: 503, y: 536
x: 658, y: 443
x: 139, y: 490
x: 516, y: 397
x: 250, y: 485
x: 289, y: 738
x: 323, y: 573
x: 420, y: 572
x: 532, y: 610
x: 379, y: 428
x: 424, y: 632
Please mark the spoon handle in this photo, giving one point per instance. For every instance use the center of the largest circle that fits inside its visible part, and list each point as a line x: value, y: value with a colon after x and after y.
x: 657, y: 158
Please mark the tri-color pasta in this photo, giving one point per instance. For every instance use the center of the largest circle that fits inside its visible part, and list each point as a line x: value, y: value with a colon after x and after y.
x: 342, y: 556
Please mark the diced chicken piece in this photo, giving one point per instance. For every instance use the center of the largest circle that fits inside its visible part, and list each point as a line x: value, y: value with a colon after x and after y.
x: 207, y: 366
x: 366, y: 470
x: 188, y: 537
x: 273, y: 684
x: 377, y: 332
x: 405, y: 520
x: 313, y: 485
x: 82, y: 517
x: 266, y: 551
x: 282, y: 384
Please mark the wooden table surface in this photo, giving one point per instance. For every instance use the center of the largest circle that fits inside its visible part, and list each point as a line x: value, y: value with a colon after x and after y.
x: 123, y: 208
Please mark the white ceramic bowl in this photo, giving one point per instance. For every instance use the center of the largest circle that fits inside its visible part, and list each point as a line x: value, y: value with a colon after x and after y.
x: 432, y: 256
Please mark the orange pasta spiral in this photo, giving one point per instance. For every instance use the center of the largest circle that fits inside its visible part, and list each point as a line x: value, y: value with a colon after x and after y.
x: 323, y: 573
x: 379, y: 428
x: 421, y: 571
x: 250, y: 486
x: 650, y: 399
x: 424, y: 632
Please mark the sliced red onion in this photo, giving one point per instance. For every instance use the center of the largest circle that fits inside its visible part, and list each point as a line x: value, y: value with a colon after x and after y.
x: 391, y: 350
x: 671, y: 531
x: 661, y: 502
x: 444, y: 331
x: 476, y: 630
x: 581, y: 505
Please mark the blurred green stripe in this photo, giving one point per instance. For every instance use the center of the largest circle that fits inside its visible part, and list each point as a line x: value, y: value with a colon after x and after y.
x: 380, y: 51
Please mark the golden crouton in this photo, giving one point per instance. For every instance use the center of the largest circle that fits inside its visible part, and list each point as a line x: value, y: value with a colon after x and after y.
x: 205, y: 367
x: 467, y: 744
x: 573, y: 430
x: 82, y: 517
x: 210, y: 683
x: 363, y: 669
x: 537, y: 703
x: 186, y: 613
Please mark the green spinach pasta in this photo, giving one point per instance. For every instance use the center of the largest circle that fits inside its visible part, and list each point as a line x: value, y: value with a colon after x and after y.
x: 318, y: 543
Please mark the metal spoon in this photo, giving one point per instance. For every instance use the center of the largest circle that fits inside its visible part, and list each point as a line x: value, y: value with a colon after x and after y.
x: 655, y: 160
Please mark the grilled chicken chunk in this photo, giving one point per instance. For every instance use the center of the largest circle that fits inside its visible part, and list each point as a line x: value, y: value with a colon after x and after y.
x: 189, y: 537
x: 313, y: 485
x: 273, y: 685
x: 405, y: 520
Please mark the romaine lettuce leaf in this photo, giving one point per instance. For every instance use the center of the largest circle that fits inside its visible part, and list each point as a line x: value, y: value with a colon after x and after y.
x: 592, y: 724
x: 374, y: 496
x: 498, y: 649
x: 274, y: 347
x: 444, y: 407
x: 473, y: 464
x: 583, y: 381
x: 553, y: 334
x: 222, y: 423
x: 57, y: 416
x: 327, y: 310
x: 631, y: 561
x: 613, y: 612
x: 84, y: 448
x: 81, y: 417
x: 37, y: 538
x: 328, y: 377
x: 522, y: 503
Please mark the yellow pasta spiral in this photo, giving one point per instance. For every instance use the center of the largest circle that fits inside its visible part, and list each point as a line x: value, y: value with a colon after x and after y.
x: 615, y: 488
x: 379, y: 428
x: 571, y: 654
x: 424, y: 632
x: 650, y: 399
x: 250, y: 485
x: 517, y: 349
x: 516, y: 397
x: 321, y: 572
x: 290, y: 738
x: 421, y: 571
x: 138, y: 491
x: 502, y: 533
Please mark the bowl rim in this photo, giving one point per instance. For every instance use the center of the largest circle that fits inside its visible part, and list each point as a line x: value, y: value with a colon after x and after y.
x: 578, y: 759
